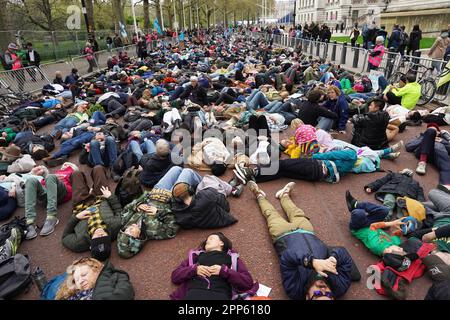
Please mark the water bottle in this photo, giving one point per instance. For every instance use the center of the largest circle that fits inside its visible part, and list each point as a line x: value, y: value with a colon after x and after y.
x: 39, y: 278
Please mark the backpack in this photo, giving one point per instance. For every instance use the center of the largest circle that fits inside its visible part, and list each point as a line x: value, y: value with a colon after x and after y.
x: 5, y: 230
x: 367, y: 83
x: 15, y: 276
x: 51, y: 288
x: 129, y: 187
x: 404, y: 38
x: 124, y: 161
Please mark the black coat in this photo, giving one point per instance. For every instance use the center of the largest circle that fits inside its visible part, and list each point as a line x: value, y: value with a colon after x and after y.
x: 309, y: 113
x: 155, y: 167
x: 397, y: 184
x: 414, y: 40
x: 113, y: 284
x: 439, y: 291
x: 370, y: 130
x: 208, y: 209
x: 197, y: 95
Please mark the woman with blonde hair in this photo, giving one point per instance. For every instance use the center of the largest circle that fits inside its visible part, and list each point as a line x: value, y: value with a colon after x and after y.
x: 89, y: 279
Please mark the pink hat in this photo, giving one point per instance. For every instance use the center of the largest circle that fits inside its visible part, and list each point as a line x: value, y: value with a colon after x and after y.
x: 305, y: 133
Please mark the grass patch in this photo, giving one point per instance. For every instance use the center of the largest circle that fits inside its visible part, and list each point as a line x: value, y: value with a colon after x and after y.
x: 425, y: 43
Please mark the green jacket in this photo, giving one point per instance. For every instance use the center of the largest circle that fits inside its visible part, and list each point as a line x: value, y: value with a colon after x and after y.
x: 376, y: 240
x: 113, y: 284
x: 158, y: 227
x: 11, y: 134
x: 76, y: 236
x: 410, y: 94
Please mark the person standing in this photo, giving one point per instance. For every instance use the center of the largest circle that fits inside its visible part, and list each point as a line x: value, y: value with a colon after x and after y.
x: 437, y: 51
x: 34, y: 60
x: 354, y: 35
x: 13, y: 62
x: 395, y: 39
x: 89, y: 52
x: 414, y: 39
x: 109, y: 43
x: 117, y: 41
x: 376, y: 55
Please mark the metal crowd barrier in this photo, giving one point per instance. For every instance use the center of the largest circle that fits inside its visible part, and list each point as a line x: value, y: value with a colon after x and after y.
x: 28, y: 80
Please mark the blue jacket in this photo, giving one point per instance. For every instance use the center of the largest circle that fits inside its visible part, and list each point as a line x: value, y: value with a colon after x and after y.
x: 395, y: 39
x: 294, y: 247
x: 343, y: 159
x: 340, y: 107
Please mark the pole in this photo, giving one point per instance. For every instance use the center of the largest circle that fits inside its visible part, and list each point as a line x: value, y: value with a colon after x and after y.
x: 175, y: 15
x: 162, y: 15
x: 198, y: 18
x: 295, y: 13
x: 215, y: 23
x: 86, y: 20
x: 184, y: 15
x: 134, y: 17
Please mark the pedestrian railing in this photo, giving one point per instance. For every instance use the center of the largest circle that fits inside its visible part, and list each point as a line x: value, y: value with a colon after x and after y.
x: 24, y: 80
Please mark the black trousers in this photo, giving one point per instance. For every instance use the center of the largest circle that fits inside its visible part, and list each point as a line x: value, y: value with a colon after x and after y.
x: 393, y: 99
x: 427, y: 145
x: 436, y: 118
x: 300, y: 169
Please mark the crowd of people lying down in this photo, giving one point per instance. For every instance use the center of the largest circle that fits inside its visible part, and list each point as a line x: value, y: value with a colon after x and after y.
x: 209, y: 105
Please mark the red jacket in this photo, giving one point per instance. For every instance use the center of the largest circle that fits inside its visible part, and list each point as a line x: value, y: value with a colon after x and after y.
x: 64, y: 177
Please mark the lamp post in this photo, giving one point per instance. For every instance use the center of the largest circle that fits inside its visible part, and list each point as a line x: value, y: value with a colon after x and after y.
x: 86, y: 20
x: 295, y: 13
x: 162, y: 15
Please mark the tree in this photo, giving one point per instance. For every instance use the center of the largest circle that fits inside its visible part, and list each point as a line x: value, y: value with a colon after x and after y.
x: 119, y: 17
x: 90, y: 15
x: 5, y: 36
x: 146, y: 15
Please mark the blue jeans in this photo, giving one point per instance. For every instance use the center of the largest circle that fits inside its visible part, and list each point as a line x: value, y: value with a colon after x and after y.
x: 256, y: 100
x: 97, y: 119
x: 64, y: 125
x: 177, y: 175
x: 273, y: 106
x: 104, y: 157
x: 147, y: 147
x: 325, y: 123
x: 367, y: 213
x: 364, y: 96
x: 22, y: 134
x: 68, y: 146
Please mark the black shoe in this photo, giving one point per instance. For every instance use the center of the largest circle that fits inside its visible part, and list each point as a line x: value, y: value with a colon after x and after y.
x: 54, y: 162
x: 443, y: 188
x: 233, y: 182
x: 351, y: 202
x: 402, y: 127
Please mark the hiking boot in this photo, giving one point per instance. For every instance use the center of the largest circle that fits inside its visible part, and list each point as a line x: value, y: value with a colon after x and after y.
x: 286, y: 190
x: 49, y: 226
x: 30, y: 233
x: 392, y: 156
x: 245, y: 173
x: 237, y: 191
x: 421, y: 168
x: 253, y: 187
x: 54, y: 162
x: 398, y: 146
x: 350, y: 200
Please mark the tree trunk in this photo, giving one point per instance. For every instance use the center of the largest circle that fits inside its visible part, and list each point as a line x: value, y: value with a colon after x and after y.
x: 118, y: 14
x: 146, y: 16
x: 158, y: 12
x: 90, y: 16
x: 5, y: 36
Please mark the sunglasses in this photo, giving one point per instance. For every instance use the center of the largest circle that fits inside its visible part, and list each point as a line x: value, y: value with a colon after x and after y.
x: 318, y: 294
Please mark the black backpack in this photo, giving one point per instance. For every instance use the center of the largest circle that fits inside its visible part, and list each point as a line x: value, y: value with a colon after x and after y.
x: 5, y: 230
x: 124, y: 161
x: 15, y: 276
x: 129, y: 187
x: 367, y: 83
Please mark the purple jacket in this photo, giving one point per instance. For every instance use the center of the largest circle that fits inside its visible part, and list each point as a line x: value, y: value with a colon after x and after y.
x: 240, y: 279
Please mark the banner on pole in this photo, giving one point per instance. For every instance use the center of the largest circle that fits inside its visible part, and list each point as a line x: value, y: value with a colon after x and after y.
x: 157, y: 27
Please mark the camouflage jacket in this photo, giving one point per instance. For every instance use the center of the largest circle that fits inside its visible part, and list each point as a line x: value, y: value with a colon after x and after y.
x: 153, y: 227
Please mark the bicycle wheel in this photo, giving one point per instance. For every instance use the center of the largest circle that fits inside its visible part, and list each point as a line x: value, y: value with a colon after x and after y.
x: 428, y: 91
x: 395, y: 77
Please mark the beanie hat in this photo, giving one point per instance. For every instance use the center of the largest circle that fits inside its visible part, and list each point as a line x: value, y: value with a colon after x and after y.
x: 180, y: 190
x: 305, y: 133
x: 101, y: 248
x: 434, y: 125
x: 396, y: 261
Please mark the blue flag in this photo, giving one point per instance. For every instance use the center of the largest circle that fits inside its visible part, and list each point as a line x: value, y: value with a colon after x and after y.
x: 157, y: 27
x: 181, y: 36
x: 123, y: 31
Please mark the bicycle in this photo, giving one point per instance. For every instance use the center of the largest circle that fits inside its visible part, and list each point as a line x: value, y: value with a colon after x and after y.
x: 425, y: 79
x: 9, y: 98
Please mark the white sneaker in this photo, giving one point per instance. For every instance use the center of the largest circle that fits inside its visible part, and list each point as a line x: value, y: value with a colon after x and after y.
x: 397, y: 147
x: 286, y: 189
x: 421, y: 168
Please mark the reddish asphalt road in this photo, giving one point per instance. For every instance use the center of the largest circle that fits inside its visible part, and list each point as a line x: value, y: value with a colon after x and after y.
x: 324, y: 203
